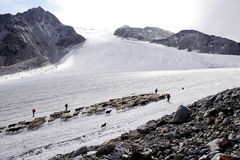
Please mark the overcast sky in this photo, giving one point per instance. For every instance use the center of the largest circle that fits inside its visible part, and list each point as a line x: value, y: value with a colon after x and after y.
x: 219, y: 17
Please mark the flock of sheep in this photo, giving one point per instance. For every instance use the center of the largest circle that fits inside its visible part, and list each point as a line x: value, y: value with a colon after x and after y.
x: 120, y: 104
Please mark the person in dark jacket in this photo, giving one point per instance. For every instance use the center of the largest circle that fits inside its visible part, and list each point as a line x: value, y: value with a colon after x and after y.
x: 156, y: 90
x: 66, y: 107
x: 168, y: 97
x: 33, y: 112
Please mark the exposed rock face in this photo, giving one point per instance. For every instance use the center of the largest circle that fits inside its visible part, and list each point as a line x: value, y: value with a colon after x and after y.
x: 196, y: 41
x: 144, y: 34
x: 182, y: 114
x: 33, y: 39
x: 203, y: 138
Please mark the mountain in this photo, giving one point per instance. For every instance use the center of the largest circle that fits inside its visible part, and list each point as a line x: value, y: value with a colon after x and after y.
x: 196, y: 41
x: 144, y: 34
x: 33, y: 39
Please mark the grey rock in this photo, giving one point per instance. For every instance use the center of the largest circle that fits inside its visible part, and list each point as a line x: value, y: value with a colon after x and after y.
x: 143, y: 129
x: 105, y: 150
x: 170, y: 135
x: 182, y: 114
x: 226, y: 121
x: 82, y: 150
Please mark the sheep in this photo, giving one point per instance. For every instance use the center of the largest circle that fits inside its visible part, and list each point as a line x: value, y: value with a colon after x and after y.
x: 50, y: 120
x: 15, y: 129
x: 66, y: 116
x: 79, y: 109
x: 12, y: 125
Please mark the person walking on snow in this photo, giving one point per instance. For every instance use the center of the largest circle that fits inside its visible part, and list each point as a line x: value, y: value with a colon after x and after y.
x: 168, y: 97
x: 66, y: 107
x: 33, y: 112
x: 156, y: 90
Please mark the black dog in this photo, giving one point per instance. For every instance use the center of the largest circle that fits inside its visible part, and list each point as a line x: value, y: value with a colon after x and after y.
x: 108, y: 112
x: 104, y: 125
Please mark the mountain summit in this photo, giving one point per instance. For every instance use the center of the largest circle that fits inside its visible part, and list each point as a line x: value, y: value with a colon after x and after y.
x: 33, y: 39
x: 144, y: 34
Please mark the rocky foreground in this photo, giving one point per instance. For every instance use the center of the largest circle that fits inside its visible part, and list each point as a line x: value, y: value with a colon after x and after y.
x: 208, y: 129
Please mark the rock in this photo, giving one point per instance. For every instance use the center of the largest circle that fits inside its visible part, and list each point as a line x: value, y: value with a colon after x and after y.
x: 82, y: 150
x: 105, y: 150
x: 170, y: 135
x: 221, y: 156
x: 138, y: 156
x: 226, y: 121
x: 214, y: 145
x: 182, y: 114
x: 124, y: 136
x: 143, y: 129
x: 213, y: 112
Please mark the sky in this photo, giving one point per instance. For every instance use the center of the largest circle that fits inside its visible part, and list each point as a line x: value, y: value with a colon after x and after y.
x: 218, y: 17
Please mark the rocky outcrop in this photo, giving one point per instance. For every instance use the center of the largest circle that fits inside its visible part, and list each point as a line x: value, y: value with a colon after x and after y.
x: 182, y: 114
x: 203, y: 135
x: 143, y: 34
x: 33, y: 39
x: 192, y: 40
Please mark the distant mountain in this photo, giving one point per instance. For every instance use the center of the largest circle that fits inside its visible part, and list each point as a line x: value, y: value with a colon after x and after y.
x: 32, y: 39
x: 196, y: 41
x: 144, y: 34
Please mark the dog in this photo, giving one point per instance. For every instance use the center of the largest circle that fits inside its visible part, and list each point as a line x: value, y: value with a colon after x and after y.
x: 16, y: 129
x: 104, y: 125
x: 76, y: 113
x: 108, y: 112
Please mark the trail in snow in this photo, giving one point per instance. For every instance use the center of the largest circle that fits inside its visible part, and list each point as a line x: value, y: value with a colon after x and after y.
x: 105, y: 67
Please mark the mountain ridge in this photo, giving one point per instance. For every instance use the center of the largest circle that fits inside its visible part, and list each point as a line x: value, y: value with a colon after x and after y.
x: 33, y: 39
x: 201, y: 42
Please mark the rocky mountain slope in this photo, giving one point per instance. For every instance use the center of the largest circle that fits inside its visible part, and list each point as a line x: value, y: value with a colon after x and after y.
x: 32, y: 39
x: 208, y: 129
x: 196, y: 41
x: 144, y: 34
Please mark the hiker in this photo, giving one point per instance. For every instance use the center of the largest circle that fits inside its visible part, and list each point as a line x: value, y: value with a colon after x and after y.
x: 168, y: 97
x: 66, y: 107
x: 156, y: 90
x: 33, y: 112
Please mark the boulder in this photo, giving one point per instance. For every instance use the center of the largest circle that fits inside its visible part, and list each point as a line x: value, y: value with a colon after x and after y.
x: 82, y: 150
x: 143, y: 129
x: 182, y: 114
x: 105, y: 150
